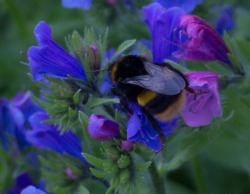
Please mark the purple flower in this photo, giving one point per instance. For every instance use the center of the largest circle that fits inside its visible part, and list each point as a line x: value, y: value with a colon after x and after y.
x: 225, y: 20
x: 70, y: 174
x: 22, y: 181
x: 203, y: 43
x: 46, y: 136
x: 103, y: 129
x: 7, y: 124
x: 48, y: 58
x: 14, y: 118
x: 164, y: 28
x: 84, y: 4
x: 32, y: 190
x: 200, y: 109
x: 186, y: 5
x: 140, y: 130
x: 126, y: 145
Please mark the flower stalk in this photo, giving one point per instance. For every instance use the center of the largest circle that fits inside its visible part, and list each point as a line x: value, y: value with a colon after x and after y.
x: 156, y: 179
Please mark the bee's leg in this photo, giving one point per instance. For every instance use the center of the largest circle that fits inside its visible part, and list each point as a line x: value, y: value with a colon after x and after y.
x: 191, y: 90
x: 156, y: 127
x: 124, y: 103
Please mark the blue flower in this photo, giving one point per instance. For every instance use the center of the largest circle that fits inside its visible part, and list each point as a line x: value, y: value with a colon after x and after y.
x: 140, y: 130
x: 22, y: 181
x: 50, y: 59
x: 14, y: 118
x: 186, y: 5
x: 84, y: 4
x: 164, y: 28
x: 46, y: 136
x: 32, y: 190
x: 7, y: 124
x: 225, y: 20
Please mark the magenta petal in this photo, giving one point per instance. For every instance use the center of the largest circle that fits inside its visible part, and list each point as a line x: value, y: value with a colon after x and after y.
x: 126, y: 145
x: 200, y: 110
x: 103, y: 129
x: 203, y: 43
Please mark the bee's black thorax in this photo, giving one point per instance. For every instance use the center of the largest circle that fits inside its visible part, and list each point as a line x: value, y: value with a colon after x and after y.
x: 127, y: 67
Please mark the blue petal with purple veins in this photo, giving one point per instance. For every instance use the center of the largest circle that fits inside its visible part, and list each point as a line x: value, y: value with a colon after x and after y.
x: 48, y: 58
x: 140, y: 130
x: 164, y: 28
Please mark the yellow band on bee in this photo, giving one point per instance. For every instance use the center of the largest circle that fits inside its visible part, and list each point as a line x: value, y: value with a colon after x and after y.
x: 146, y: 96
x: 114, y: 68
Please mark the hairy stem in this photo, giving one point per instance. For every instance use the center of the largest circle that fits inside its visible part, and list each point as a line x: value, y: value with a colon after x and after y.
x: 198, y: 174
x: 156, y: 179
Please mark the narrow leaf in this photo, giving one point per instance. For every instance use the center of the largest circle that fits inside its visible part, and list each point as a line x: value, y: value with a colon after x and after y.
x: 98, y: 173
x: 124, y: 46
x: 94, y: 161
x: 102, y: 101
x: 143, y: 167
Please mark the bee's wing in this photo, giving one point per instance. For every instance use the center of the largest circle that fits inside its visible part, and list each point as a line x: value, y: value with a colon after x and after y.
x: 160, y: 79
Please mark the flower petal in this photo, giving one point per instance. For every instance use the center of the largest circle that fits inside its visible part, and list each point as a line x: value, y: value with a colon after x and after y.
x: 186, y: 5
x: 202, y: 108
x: 84, y: 4
x: 164, y: 28
x: 103, y: 129
x: 50, y: 59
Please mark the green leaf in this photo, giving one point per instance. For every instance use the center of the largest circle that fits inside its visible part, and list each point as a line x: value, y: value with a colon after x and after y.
x: 236, y: 62
x: 82, y: 190
x: 177, y: 66
x: 76, y: 96
x: 123, y: 161
x: 40, y: 102
x: 98, y: 173
x: 84, y: 120
x: 191, y: 144
x: 244, y: 47
x: 124, y: 176
x: 124, y: 46
x: 94, y: 161
x: 102, y: 101
x: 228, y: 41
x: 143, y: 167
x: 72, y: 112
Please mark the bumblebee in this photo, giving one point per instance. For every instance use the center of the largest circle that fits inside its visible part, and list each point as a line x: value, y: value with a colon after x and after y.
x: 157, y: 87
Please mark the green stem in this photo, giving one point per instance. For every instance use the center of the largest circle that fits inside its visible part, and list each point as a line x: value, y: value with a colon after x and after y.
x: 199, y: 178
x: 156, y: 179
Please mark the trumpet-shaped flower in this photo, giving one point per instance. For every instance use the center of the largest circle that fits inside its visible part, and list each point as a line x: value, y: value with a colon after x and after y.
x: 225, y: 20
x: 46, y: 136
x: 164, y: 28
x: 103, y: 129
x: 203, y: 43
x: 48, y: 58
x: 201, y: 108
